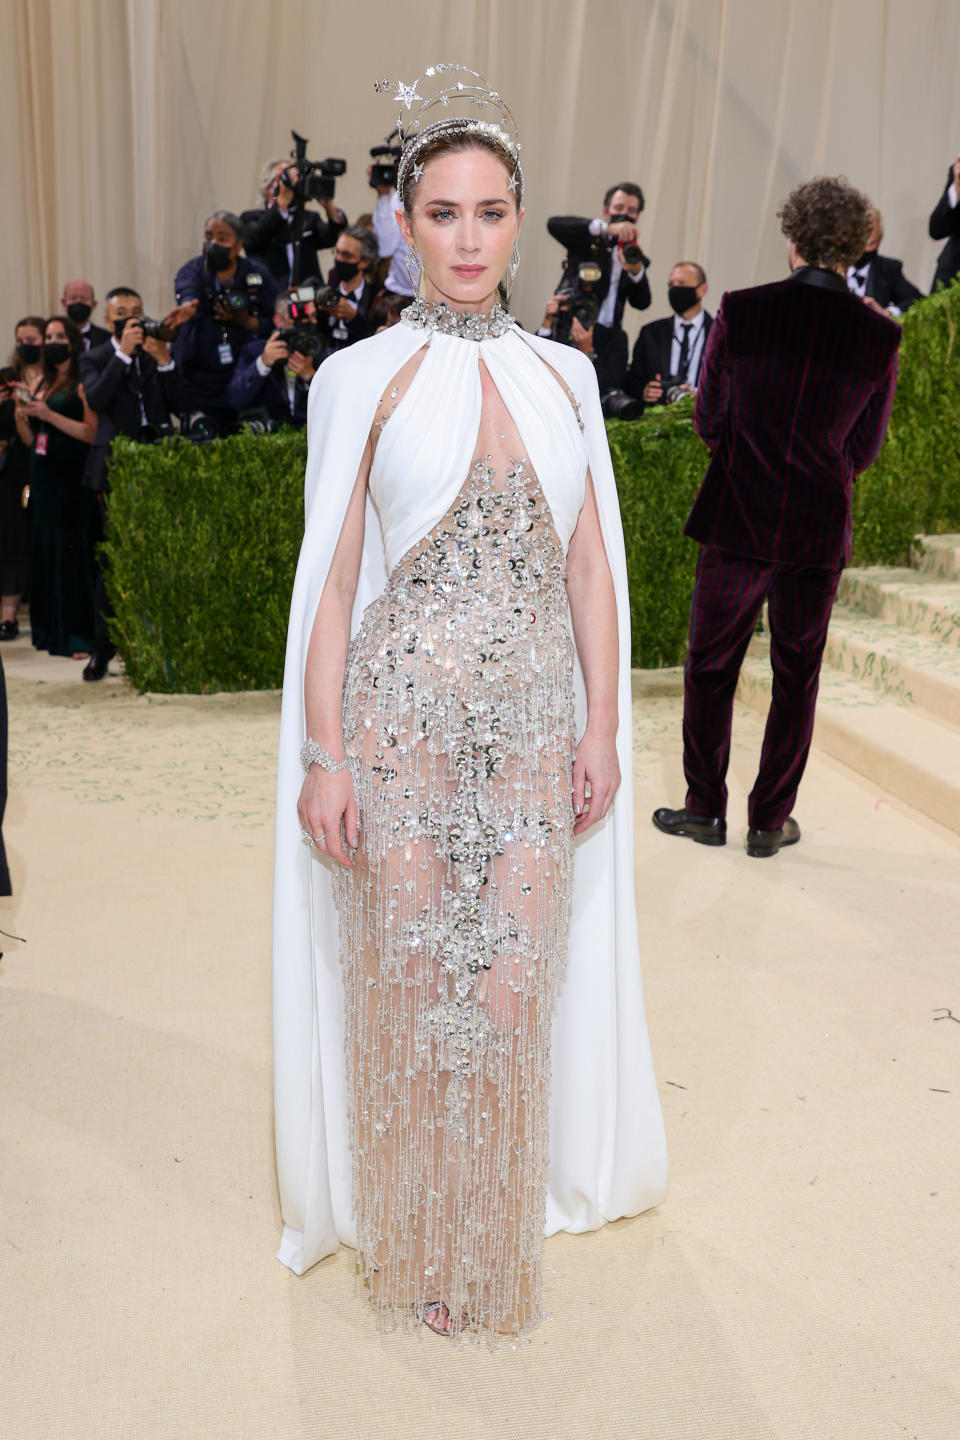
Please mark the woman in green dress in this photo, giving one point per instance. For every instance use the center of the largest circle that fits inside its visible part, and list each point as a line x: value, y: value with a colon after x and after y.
x: 59, y: 425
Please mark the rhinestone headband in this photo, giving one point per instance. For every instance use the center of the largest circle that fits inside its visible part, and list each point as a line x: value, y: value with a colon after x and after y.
x: 455, y: 97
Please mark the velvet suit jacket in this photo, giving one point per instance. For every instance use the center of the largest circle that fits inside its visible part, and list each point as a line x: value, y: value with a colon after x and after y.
x: 794, y: 396
x: 945, y: 225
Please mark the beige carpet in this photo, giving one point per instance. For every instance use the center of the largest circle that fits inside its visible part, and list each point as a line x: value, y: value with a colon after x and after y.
x: 801, y: 1280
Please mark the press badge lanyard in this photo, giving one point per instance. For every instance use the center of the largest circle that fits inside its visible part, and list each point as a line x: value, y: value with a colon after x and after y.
x: 224, y: 349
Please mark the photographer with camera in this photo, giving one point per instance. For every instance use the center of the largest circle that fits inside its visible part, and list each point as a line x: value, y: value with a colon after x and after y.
x: 667, y: 355
x: 343, y: 307
x: 274, y: 375
x: 286, y: 236
x: 382, y: 176
x: 236, y: 298
x: 603, y: 259
x: 133, y: 386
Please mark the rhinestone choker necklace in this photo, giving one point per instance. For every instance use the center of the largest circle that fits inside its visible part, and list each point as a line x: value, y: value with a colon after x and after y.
x: 441, y: 319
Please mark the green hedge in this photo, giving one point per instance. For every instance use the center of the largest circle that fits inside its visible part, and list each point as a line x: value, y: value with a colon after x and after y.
x: 203, y: 539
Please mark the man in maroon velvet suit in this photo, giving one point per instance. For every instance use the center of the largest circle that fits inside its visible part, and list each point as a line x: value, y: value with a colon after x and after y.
x: 795, y: 393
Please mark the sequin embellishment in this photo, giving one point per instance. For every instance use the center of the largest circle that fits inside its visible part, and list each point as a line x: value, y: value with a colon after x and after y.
x: 459, y: 727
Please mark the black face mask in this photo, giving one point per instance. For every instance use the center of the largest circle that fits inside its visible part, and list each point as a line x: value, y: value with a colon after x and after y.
x: 216, y: 256
x: 56, y: 351
x: 79, y: 313
x: 682, y: 298
x: 867, y: 258
x: 617, y: 215
x: 346, y: 269
x: 28, y: 353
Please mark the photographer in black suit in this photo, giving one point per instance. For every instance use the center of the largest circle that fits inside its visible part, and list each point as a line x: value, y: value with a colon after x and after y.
x: 880, y: 278
x: 667, y: 355
x: 945, y: 225
x: 286, y: 236
x: 610, y: 243
x: 133, y: 385
x: 274, y: 375
x: 347, y: 320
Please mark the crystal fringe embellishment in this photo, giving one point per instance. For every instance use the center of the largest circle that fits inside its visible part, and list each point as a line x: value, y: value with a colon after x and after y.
x: 458, y: 716
x: 440, y: 319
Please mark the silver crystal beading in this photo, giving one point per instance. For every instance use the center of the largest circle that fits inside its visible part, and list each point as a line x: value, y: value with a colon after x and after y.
x: 313, y: 754
x: 461, y: 125
x: 440, y: 319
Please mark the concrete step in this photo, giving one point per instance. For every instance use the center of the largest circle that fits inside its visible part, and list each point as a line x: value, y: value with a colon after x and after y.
x: 898, y: 746
x: 912, y: 599
x: 915, y: 669
x: 938, y: 555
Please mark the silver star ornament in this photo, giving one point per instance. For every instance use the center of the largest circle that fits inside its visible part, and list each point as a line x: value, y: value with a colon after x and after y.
x: 406, y: 94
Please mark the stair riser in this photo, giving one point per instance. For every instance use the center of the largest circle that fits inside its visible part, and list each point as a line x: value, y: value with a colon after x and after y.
x: 908, y: 612
x: 888, y: 676
x: 942, y: 563
x: 933, y: 794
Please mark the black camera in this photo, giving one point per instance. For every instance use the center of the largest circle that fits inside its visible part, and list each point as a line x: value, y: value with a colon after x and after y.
x: 630, y: 252
x: 316, y: 179
x: 257, y: 422
x: 580, y: 298
x: 675, y: 387
x: 151, y: 328
x: 384, y: 172
x: 328, y: 296
x: 303, y: 338
x: 237, y: 298
x: 618, y: 405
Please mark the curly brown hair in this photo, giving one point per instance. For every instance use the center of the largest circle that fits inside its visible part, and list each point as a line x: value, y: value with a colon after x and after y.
x: 828, y: 221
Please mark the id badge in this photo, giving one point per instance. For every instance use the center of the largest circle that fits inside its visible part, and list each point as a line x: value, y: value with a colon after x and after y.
x: 41, y: 446
x: 225, y: 353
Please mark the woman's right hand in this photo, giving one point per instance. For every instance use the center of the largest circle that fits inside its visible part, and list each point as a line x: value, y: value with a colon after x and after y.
x: 327, y: 799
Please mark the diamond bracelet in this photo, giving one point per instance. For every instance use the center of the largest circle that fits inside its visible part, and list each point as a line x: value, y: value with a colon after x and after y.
x: 313, y: 754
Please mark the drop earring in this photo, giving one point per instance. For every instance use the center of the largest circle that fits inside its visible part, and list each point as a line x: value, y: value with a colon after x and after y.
x: 414, y: 269
x: 512, y: 267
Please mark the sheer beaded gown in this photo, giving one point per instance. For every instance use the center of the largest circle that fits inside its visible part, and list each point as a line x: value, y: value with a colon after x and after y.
x: 458, y: 721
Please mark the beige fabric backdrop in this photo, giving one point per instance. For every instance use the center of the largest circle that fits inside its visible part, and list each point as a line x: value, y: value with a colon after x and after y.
x: 125, y: 122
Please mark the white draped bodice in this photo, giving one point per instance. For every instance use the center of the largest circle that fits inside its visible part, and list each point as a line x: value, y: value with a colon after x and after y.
x: 424, y: 453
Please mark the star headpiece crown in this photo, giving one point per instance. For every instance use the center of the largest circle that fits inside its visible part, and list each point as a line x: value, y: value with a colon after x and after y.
x: 455, y: 100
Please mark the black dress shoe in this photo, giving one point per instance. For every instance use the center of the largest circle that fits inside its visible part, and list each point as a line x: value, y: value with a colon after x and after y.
x: 694, y: 827
x: 9, y: 629
x: 95, y: 669
x: 761, y: 843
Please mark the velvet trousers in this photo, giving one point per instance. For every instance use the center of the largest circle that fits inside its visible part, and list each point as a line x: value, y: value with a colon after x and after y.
x: 727, y: 598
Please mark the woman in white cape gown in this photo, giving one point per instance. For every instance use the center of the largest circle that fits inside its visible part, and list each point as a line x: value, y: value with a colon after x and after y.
x: 607, y: 1152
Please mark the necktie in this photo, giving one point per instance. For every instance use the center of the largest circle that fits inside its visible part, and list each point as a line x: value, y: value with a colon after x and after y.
x: 684, y: 351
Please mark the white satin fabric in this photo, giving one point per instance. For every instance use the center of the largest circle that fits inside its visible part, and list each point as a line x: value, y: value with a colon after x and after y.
x: 607, y: 1146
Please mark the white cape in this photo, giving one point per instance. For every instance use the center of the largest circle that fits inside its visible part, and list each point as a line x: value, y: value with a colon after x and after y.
x: 607, y: 1147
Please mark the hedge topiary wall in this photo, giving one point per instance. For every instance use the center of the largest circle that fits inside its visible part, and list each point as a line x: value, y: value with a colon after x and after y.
x: 203, y: 539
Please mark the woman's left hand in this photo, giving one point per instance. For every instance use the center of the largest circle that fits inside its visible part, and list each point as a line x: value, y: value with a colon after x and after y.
x: 38, y: 409
x: 596, y: 764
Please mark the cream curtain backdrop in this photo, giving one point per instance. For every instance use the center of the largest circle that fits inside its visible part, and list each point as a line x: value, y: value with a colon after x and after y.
x: 126, y: 122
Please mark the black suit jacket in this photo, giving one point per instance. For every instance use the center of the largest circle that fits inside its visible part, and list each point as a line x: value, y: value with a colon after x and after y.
x: 793, y: 399
x: 887, y: 284
x: 95, y: 336
x: 249, y: 390
x: 651, y: 354
x: 359, y: 327
x: 266, y: 236
x: 111, y: 390
x: 573, y: 233
x: 945, y: 225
